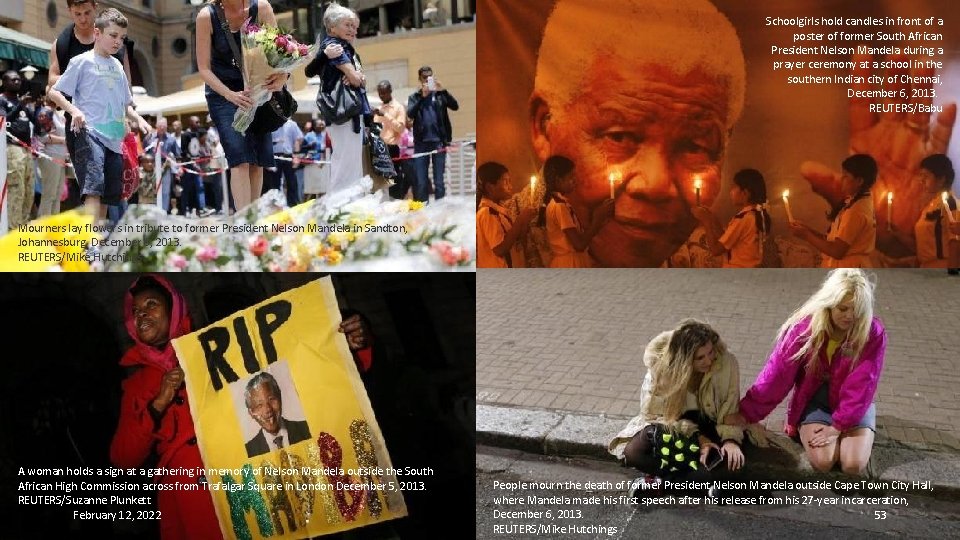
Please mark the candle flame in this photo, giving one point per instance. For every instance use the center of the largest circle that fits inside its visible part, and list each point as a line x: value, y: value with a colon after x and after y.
x: 889, y: 197
x: 533, y: 181
x: 786, y: 193
x: 614, y: 176
x: 697, y: 183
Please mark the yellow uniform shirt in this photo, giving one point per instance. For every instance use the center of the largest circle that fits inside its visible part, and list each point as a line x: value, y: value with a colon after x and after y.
x: 560, y: 217
x: 856, y: 226
x: 932, y: 232
x: 741, y: 239
x: 493, y: 223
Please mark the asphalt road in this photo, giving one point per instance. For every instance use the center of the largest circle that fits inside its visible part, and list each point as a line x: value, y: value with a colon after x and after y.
x: 811, y: 513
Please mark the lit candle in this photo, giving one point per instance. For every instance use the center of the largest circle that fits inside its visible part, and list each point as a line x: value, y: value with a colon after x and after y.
x: 614, y: 178
x: 533, y: 190
x: 697, y: 184
x: 786, y: 204
x: 889, y: 210
x: 946, y: 206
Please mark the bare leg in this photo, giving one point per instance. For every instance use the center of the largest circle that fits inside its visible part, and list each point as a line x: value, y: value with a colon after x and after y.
x: 240, y: 185
x: 256, y: 181
x: 855, y: 448
x: 93, y: 206
x: 823, y: 458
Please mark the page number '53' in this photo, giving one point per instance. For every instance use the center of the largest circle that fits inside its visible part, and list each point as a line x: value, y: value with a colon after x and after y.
x: 880, y: 514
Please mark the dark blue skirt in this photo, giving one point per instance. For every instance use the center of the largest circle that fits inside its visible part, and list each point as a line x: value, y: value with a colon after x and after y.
x: 818, y: 411
x: 240, y: 148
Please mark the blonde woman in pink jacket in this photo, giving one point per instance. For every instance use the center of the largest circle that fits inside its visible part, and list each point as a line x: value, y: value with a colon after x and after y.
x: 830, y: 352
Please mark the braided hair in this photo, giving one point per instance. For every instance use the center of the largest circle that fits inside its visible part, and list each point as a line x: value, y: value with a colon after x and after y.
x: 554, y: 170
x: 751, y: 181
x: 861, y: 166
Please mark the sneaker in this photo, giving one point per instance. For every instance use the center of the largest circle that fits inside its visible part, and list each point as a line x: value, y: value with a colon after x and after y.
x: 644, y: 484
x: 717, y: 494
x: 206, y: 212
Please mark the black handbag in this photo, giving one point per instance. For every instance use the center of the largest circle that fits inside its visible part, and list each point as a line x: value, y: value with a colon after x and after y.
x: 380, y: 160
x: 274, y: 113
x: 340, y: 104
x: 278, y: 109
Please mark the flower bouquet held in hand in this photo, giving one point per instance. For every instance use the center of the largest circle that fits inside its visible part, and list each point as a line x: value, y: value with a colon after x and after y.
x: 266, y: 51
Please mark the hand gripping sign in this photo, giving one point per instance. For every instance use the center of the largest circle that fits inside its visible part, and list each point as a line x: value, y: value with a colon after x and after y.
x: 288, y: 439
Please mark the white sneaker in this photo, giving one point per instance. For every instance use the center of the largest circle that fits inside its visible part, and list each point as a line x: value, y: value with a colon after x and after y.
x: 716, y: 493
x: 644, y: 484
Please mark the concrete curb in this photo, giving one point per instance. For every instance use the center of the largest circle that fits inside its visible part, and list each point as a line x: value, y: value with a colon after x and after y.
x: 558, y: 433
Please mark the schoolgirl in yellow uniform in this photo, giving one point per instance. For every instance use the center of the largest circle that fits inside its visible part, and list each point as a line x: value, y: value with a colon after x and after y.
x: 742, y: 241
x: 499, y: 234
x: 932, y: 230
x: 567, y: 237
x: 853, y: 229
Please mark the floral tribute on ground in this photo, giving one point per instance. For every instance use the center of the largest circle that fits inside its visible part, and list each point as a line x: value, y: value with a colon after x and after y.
x: 369, y: 233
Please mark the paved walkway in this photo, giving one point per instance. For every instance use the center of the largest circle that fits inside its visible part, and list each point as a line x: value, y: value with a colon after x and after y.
x: 572, y: 341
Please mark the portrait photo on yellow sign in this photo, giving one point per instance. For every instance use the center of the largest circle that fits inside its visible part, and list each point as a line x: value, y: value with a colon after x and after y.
x: 284, y: 425
x: 269, y: 410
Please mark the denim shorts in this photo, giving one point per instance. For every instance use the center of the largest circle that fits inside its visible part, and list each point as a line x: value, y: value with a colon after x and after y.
x: 818, y: 411
x: 99, y: 169
x: 240, y: 148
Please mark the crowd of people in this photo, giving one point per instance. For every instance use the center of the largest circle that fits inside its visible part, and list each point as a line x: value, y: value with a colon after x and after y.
x: 79, y: 141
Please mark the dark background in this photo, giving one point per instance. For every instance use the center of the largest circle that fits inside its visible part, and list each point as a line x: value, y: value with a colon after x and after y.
x: 63, y: 336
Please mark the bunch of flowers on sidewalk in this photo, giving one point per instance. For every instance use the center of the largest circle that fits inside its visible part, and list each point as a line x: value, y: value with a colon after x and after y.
x: 266, y: 50
x: 449, y: 253
x: 53, y: 243
x: 365, y: 234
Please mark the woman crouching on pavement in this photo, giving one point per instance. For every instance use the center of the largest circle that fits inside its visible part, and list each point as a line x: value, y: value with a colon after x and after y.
x: 830, y: 352
x: 692, y: 384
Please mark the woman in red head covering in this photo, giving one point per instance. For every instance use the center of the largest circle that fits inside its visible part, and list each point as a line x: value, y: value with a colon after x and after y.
x: 154, y: 413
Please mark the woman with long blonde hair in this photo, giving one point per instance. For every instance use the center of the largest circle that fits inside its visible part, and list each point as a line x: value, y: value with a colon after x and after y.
x: 830, y: 352
x: 692, y: 384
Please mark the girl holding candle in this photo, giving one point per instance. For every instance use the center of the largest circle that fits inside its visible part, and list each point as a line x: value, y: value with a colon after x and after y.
x: 932, y: 230
x: 498, y: 234
x: 691, y: 386
x: 567, y: 237
x: 743, y: 240
x: 830, y: 353
x: 853, y: 229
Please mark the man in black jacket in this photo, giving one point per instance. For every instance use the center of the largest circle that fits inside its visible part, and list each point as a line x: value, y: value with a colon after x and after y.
x: 431, y: 132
